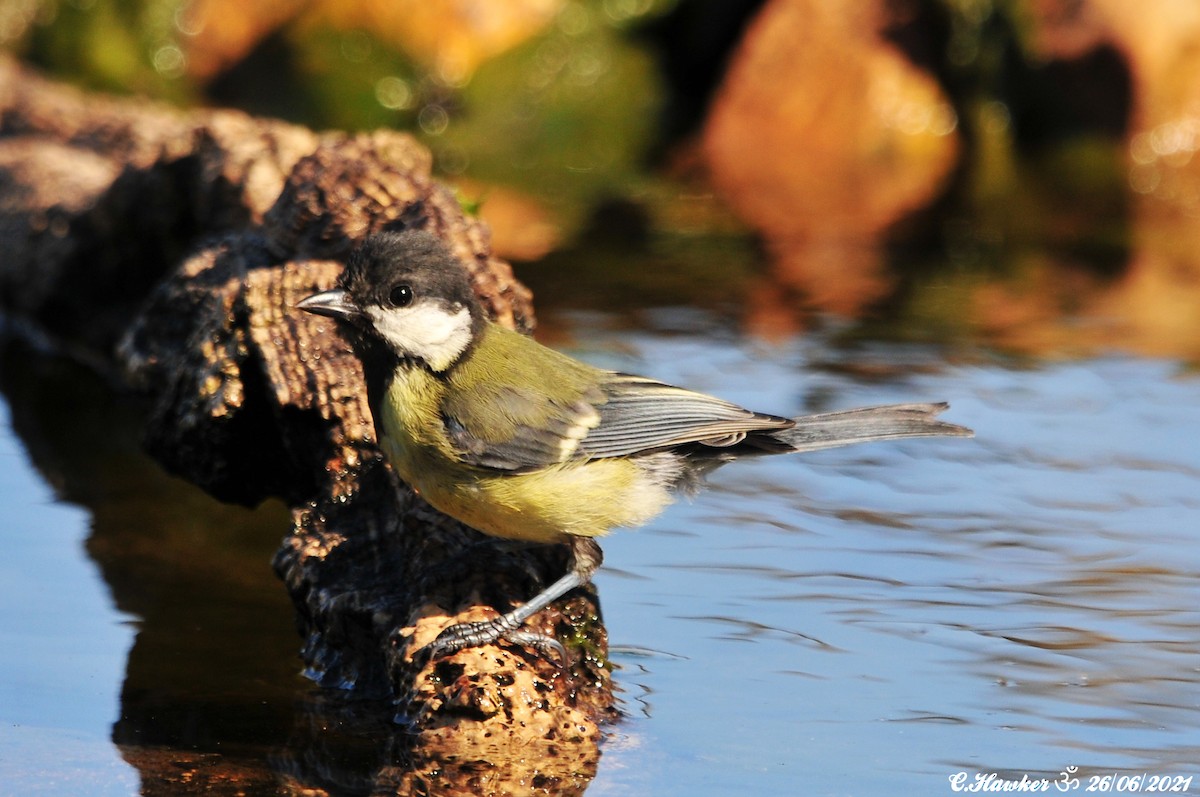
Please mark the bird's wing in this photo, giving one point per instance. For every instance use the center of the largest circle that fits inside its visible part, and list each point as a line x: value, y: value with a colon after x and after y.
x: 523, y: 407
x: 641, y: 414
x: 515, y: 429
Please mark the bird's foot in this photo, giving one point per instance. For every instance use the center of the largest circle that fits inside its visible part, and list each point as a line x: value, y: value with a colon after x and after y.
x: 585, y: 558
x: 469, y: 635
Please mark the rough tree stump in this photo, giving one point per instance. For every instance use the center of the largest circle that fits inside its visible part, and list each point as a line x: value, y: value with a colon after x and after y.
x: 170, y: 247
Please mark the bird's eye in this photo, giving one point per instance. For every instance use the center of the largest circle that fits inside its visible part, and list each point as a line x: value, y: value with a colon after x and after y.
x: 401, y: 296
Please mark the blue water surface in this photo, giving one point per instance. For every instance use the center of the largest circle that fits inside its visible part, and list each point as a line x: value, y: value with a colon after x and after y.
x: 864, y: 621
x: 63, y: 644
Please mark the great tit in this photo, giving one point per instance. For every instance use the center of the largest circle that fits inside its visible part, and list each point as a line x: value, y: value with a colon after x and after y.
x: 521, y: 442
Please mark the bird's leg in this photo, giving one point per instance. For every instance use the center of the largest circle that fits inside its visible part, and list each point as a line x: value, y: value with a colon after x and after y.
x: 585, y: 560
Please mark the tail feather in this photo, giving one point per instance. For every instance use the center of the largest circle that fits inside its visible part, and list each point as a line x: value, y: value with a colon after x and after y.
x: 833, y: 429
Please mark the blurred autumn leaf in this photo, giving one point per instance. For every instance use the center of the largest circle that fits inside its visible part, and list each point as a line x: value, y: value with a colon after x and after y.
x: 1018, y: 173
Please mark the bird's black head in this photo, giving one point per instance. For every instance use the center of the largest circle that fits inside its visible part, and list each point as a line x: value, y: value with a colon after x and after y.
x: 406, y: 291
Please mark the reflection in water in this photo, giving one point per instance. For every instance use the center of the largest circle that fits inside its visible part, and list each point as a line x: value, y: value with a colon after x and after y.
x: 1091, y: 583
x: 212, y: 699
x: 1035, y: 593
x: 855, y: 620
x: 211, y: 668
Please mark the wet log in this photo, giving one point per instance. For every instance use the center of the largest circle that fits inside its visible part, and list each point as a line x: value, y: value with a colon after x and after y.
x: 169, y: 248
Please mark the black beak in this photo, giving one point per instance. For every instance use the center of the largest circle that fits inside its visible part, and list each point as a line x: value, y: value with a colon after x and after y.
x: 333, y: 303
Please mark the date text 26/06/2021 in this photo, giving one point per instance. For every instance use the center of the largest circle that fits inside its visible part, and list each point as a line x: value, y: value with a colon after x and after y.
x: 1068, y: 781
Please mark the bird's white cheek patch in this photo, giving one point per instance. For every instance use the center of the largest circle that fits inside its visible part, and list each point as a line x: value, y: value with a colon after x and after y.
x: 425, y: 330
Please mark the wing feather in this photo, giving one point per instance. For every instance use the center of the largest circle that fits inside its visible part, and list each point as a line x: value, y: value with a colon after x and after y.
x: 522, y: 431
x: 499, y: 414
x: 643, y: 415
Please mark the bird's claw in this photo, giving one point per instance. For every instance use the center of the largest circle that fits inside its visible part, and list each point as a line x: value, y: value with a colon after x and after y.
x: 468, y: 635
x: 543, y: 643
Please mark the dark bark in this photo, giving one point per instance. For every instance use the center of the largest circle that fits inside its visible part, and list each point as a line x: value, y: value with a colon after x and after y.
x: 169, y: 247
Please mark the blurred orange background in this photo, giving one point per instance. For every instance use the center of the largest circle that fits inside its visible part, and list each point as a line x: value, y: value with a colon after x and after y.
x: 1018, y: 175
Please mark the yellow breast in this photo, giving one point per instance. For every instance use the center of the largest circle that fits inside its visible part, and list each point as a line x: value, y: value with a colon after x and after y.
x: 585, y: 498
